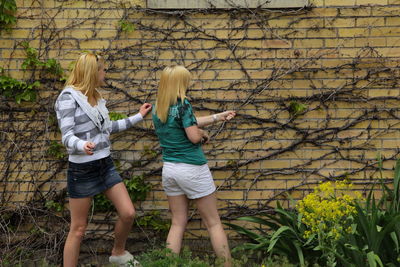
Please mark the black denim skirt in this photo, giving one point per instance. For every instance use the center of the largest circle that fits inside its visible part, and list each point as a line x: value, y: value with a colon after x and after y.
x: 90, y: 178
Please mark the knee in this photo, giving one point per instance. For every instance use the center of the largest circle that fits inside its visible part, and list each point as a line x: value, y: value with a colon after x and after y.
x: 212, y: 222
x: 78, y: 230
x: 128, y: 216
x: 180, y: 221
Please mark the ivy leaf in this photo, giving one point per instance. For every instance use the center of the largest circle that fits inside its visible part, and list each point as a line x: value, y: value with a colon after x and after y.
x: 296, y: 108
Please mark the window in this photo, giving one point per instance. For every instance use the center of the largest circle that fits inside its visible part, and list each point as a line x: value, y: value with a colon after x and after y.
x: 184, y: 4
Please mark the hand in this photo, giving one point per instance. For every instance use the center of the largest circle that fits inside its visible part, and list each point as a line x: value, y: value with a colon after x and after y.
x: 144, y: 109
x: 204, y: 136
x: 88, y: 148
x: 227, y: 115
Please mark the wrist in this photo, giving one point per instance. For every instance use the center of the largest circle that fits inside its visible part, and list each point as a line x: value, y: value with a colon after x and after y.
x: 215, y: 117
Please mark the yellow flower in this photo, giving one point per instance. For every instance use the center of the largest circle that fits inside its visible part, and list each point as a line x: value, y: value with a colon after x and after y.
x: 327, y: 209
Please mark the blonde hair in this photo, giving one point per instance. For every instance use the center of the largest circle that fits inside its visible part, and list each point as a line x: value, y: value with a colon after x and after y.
x: 173, y: 84
x: 85, y: 75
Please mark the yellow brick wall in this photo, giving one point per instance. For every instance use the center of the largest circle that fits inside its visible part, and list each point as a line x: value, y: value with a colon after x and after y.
x: 338, y: 57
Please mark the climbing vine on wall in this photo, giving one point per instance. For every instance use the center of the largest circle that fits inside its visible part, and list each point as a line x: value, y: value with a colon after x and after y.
x: 8, y: 9
x: 286, y: 111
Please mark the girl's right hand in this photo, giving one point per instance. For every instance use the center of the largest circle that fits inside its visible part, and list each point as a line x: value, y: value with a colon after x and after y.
x: 227, y: 115
x: 88, y: 148
x: 144, y: 109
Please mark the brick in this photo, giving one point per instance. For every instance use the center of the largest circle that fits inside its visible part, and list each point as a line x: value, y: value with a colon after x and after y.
x: 389, y: 52
x: 340, y: 42
x: 371, y: 2
x: 340, y: 22
x: 75, y: 4
x: 94, y: 44
x: 373, y: 42
x: 229, y: 195
x: 340, y: 2
x: 355, y: 12
x: 324, y: 12
x: 307, y: 23
x: 370, y: 22
x: 260, y: 194
x: 278, y: 22
x: 354, y: 32
x: 385, y: 31
x: 317, y: 3
x: 392, y: 21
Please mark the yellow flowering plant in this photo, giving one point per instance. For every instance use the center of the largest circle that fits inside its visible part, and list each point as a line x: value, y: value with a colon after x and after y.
x: 328, y: 209
x: 328, y: 213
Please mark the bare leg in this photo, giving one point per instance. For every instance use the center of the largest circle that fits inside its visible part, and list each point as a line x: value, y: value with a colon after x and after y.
x: 126, y: 213
x: 209, y: 214
x: 179, y: 209
x: 79, y: 208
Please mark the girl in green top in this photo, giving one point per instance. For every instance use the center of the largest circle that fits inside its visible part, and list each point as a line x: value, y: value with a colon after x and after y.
x: 185, y: 173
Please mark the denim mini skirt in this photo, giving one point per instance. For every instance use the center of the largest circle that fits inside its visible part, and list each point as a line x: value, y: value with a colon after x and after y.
x: 90, y: 178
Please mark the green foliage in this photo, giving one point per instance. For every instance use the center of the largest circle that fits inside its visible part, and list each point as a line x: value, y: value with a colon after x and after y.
x: 165, y: 258
x: 282, y: 234
x: 21, y: 263
x: 376, y: 232
x: 154, y: 221
x: 126, y: 26
x: 102, y: 204
x: 137, y: 189
x: 296, y: 108
x: 54, y: 206
x: 328, y: 213
x: 8, y: 8
x: 56, y: 150
x: 149, y: 153
x: 114, y: 116
x: 373, y: 239
x: 32, y: 61
x: 19, y: 91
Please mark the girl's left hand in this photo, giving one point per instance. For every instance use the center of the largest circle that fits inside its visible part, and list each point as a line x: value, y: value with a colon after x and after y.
x: 204, y: 136
x: 227, y: 115
x: 144, y: 109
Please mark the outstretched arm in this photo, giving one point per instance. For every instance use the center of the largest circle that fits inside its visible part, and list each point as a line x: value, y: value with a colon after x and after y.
x: 124, y: 124
x: 223, y: 116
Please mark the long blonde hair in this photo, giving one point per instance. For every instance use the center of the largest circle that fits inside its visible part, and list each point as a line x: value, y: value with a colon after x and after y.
x: 173, y: 84
x: 85, y: 75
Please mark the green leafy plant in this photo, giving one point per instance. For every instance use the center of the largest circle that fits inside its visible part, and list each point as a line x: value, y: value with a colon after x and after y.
x: 56, y: 150
x: 165, y: 258
x: 55, y: 206
x: 149, y: 153
x: 282, y: 233
x: 332, y: 228
x: 126, y: 26
x: 8, y: 8
x: 328, y: 213
x: 296, y: 108
x: 32, y: 61
x: 154, y: 221
x: 19, y: 91
x: 114, y: 116
x: 376, y: 234
x: 137, y: 188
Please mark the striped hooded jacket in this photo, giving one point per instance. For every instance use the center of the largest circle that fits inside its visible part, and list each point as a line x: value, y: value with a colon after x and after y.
x: 80, y: 122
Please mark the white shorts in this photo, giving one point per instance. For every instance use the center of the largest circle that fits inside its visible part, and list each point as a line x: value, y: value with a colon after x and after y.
x: 194, y: 181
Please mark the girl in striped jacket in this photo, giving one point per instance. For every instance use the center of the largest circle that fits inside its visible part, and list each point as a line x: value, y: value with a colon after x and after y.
x: 85, y: 126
